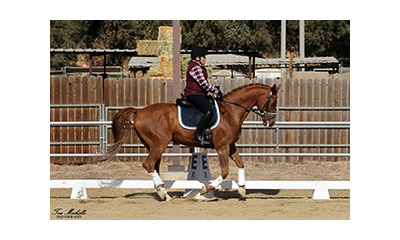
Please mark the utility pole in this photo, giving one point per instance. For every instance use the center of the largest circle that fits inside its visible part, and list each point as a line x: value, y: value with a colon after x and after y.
x: 176, y: 83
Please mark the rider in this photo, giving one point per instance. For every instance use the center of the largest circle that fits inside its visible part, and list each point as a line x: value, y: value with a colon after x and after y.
x: 197, y: 88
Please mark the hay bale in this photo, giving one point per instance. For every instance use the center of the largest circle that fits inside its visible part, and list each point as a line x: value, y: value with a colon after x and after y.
x: 147, y: 47
x: 165, y: 48
x: 165, y: 33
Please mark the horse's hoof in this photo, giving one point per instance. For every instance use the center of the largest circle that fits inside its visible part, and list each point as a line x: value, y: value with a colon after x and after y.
x: 242, y: 191
x: 162, y: 193
x: 207, y: 189
x: 203, y: 190
x: 167, y: 198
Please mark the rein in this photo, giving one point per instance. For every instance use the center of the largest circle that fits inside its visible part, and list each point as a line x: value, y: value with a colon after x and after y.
x: 258, y: 112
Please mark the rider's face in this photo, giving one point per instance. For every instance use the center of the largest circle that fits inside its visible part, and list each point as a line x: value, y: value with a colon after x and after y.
x: 203, y: 60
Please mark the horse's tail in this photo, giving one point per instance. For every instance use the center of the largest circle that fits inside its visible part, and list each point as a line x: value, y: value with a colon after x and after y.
x: 121, y: 129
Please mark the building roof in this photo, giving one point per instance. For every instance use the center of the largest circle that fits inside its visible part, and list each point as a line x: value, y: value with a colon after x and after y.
x: 143, y: 61
x: 240, y: 52
x: 308, y: 60
x: 226, y: 59
x: 93, y: 51
x: 212, y: 59
x: 227, y: 73
x: 232, y: 59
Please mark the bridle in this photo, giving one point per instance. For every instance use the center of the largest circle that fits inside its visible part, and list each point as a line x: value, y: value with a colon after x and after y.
x: 263, y: 113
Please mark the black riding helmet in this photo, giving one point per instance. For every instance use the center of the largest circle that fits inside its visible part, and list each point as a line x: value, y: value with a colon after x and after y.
x: 198, y: 52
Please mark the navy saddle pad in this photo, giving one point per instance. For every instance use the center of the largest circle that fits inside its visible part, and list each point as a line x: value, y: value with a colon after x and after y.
x: 190, y: 117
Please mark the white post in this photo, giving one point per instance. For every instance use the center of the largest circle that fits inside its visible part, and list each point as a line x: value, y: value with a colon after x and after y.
x: 283, y: 46
x: 302, y: 45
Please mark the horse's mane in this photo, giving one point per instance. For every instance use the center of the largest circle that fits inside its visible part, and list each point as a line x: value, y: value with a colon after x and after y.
x: 245, y: 86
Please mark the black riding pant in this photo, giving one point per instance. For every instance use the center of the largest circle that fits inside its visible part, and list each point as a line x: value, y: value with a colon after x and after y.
x: 202, y: 103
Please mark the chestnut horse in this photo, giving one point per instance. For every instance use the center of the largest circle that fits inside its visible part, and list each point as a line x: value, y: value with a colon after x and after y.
x: 158, y: 124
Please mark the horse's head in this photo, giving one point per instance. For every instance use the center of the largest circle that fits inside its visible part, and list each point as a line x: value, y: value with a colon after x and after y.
x: 266, y: 103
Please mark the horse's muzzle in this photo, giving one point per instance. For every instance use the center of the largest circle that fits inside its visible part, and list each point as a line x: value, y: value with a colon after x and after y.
x: 268, y: 123
x: 268, y: 119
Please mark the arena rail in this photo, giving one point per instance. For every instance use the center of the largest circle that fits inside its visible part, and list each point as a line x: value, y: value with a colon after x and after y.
x: 104, y: 124
x: 320, y: 188
x: 209, y: 154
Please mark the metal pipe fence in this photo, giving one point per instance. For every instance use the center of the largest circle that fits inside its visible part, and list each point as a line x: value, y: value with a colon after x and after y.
x: 208, y: 154
x: 104, y: 124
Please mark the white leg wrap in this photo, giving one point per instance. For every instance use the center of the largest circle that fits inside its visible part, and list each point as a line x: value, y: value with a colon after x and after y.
x: 217, y: 182
x: 242, y: 178
x: 156, y: 178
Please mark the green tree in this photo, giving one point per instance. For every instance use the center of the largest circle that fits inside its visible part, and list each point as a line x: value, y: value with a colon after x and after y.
x: 328, y: 38
x: 103, y: 34
x: 66, y: 34
x: 322, y: 38
x: 230, y: 35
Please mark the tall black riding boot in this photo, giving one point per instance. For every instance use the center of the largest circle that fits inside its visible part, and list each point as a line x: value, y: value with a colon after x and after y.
x: 204, y: 121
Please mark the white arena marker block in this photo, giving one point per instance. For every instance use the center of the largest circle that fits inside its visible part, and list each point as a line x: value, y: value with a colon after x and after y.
x: 321, y: 191
x: 79, y: 190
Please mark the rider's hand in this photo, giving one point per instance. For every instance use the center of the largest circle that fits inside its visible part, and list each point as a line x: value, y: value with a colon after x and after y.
x: 219, y: 93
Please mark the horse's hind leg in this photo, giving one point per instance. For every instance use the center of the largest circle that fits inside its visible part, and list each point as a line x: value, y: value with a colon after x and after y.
x: 234, y: 154
x: 153, y: 160
x: 157, y: 165
x: 151, y: 164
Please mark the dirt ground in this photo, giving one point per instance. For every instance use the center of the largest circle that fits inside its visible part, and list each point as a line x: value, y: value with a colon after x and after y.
x: 259, y: 204
x: 255, y: 170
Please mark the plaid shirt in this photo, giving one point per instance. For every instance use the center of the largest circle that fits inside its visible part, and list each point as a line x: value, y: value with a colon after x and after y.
x: 197, y: 73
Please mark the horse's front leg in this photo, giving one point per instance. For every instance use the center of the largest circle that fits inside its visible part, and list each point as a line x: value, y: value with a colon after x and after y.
x: 234, y: 154
x: 223, y: 156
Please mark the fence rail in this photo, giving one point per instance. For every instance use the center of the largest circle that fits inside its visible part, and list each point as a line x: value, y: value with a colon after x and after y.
x: 209, y: 155
x: 246, y: 124
x: 320, y: 188
x: 277, y: 124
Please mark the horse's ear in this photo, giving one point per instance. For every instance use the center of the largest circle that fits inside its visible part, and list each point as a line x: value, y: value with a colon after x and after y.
x: 275, y: 89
